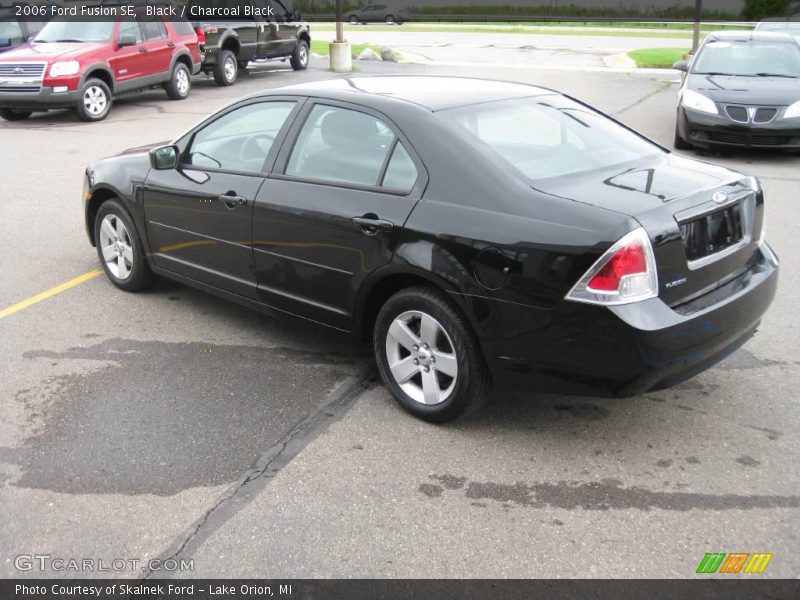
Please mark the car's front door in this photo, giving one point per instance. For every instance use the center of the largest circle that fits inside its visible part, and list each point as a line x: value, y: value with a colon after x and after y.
x: 332, y: 210
x: 128, y: 62
x: 199, y: 216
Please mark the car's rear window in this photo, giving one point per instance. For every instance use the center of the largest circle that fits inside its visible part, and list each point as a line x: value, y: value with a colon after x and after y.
x: 550, y: 136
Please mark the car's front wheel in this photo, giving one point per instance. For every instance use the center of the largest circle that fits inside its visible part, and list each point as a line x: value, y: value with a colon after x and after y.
x: 299, y: 59
x: 390, y: 20
x: 428, y: 356
x: 94, y: 100
x: 180, y: 83
x: 354, y: 20
x: 226, y: 69
x: 120, y: 248
x: 11, y: 114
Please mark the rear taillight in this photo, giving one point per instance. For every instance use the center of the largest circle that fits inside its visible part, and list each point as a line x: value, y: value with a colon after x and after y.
x: 201, y: 35
x: 625, y: 273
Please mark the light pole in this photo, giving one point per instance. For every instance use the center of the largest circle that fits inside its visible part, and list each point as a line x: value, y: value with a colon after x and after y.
x: 341, y: 58
x: 698, y: 15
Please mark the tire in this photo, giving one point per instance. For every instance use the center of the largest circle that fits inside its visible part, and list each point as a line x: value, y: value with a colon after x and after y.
x: 353, y: 20
x: 451, y: 392
x: 94, y: 100
x: 11, y: 114
x: 226, y: 69
x: 299, y: 60
x: 680, y: 143
x: 180, y: 83
x: 390, y: 20
x: 121, y: 247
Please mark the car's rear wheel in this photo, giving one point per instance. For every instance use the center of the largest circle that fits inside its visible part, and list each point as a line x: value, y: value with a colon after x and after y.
x: 226, y: 69
x: 12, y: 114
x: 120, y: 248
x: 428, y: 356
x: 299, y: 60
x: 353, y: 20
x: 94, y: 100
x: 180, y: 83
x: 390, y: 20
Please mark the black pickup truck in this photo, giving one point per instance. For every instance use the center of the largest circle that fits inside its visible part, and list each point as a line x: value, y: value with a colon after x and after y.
x: 233, y: 33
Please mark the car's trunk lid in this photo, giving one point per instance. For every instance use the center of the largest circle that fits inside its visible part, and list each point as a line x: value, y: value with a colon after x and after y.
x: 704, y: 221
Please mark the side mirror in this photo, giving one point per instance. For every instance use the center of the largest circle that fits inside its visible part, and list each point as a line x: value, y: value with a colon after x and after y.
x: 126, y: 39
x: 681, y: 65
x: 5, y: 42
x: 164, y: 158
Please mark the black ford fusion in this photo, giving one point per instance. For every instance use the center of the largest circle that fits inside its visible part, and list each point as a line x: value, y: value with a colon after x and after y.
x: 741, y: 89
x: 478, y: 232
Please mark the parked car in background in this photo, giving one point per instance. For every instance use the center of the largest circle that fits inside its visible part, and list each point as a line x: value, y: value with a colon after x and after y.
x: 86, y: 65
x: 555, y: 245
x: 15, y: 31
x: 741, y: 90
x: 229, y: 44
x: 790, y: 25
x: 377, y: 13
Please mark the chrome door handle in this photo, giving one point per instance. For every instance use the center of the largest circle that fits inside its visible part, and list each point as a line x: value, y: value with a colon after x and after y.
x: 232, y: 200
x: 371, y: 226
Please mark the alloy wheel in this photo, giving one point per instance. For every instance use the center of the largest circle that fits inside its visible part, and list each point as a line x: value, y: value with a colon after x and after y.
x: 230, y: 68
x: 421, y: 357
x: 182, y: 82
x: 116, y: 246
x: 95, y: 100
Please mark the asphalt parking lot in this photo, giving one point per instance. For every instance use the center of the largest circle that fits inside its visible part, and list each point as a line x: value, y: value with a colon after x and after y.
x: 173, y: 424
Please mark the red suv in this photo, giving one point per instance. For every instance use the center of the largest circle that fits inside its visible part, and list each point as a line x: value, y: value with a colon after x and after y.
x: 85, y: 65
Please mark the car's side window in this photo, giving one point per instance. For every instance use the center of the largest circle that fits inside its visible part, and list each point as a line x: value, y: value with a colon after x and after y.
x: 127, y: 28
x: 153, y: 29
x: 342, y: 146
x: 241, y: 139
x: 401, y: 173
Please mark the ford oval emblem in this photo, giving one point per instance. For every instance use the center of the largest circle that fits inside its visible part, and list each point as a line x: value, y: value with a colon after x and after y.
x: 719, y: 197
x: 17, y: 71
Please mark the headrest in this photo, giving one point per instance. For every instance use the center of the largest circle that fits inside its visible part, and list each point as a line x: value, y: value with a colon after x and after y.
x: 346, y: 127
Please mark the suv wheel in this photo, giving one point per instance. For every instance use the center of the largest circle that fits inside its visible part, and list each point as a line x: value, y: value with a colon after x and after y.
x: 428, y: 356
x: 299, y: 59
x: 10, y: 114
x: 120, y: 248
x: 94, y: 101
x: 226, y: 69
x: 354, y: 20
x: 180, y: 83
x: 389, y: 20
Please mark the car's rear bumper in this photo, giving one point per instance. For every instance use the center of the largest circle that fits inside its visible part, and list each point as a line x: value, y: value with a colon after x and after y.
x: 630, y: 349
x: 44, y: 99
x: 716, y: 130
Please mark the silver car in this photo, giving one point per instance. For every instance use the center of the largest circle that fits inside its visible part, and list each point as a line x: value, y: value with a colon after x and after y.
x: 377, y: 13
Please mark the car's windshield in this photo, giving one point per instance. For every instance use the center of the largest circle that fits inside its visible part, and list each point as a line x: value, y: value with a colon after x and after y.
x: 551, y: 136
x: 69, y: 31
x: 748, y: 58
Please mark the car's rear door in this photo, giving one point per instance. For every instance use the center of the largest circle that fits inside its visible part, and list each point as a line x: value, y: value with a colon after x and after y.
x: 199, y: 216
x: 157, y: 48
x: 332, y: 210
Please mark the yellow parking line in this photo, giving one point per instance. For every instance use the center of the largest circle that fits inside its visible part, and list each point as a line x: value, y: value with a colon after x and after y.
x: 15, y: 308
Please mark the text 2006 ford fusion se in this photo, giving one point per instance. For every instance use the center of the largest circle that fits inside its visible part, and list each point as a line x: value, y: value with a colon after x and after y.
x: 477, y: 231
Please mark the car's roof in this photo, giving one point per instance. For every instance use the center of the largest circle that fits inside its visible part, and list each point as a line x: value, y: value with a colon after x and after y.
x: 433, y: 93
x: 756, y: 36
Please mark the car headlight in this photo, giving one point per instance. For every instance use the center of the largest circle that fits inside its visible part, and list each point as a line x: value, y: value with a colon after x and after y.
x: 697, y: 101
x: 66, y: 67
x: 792, y: 111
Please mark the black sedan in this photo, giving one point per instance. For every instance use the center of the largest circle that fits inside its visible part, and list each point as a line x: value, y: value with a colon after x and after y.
x: 741, y: 89
x: 477, y: 232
